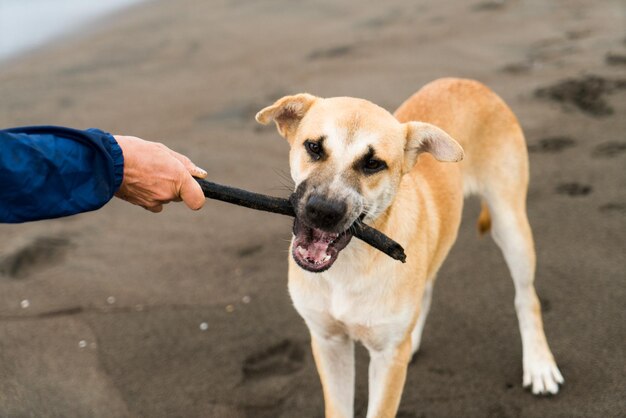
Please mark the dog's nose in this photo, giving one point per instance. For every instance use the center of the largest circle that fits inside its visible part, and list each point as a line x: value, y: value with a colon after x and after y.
x: 323, y: 213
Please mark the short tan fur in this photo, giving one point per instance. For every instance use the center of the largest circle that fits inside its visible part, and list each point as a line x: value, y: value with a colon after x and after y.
x: 454, y: 137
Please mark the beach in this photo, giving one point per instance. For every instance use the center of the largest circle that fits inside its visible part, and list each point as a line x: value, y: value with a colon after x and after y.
x: 124, y: 313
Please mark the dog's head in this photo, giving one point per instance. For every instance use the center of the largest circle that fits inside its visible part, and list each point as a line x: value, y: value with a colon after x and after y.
x: 347, y: 159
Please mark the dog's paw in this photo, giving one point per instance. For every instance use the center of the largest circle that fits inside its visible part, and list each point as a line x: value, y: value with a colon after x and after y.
x: 542, y: 375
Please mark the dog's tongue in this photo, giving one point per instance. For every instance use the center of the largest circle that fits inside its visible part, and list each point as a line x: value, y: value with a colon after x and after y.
x: 316, y: 250
x: 315, y: 246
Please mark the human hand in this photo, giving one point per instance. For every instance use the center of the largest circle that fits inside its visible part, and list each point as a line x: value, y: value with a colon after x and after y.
x: 155, y: 175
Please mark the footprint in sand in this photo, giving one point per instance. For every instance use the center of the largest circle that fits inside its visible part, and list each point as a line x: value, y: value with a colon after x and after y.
x: 284, y: 358
x: 613, y: 207
x: 249, y: 250
x: 614, y: 58
x: 609, y: 149
x: 586, y: 93
x: 574, y: 189
x: 268, y: 378
x: 33, y: 255
x: 490, y: 5
x: 552, y: 144
x: 334, y: 52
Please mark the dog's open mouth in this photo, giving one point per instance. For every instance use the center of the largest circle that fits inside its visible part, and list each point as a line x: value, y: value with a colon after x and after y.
x: 316, y: 250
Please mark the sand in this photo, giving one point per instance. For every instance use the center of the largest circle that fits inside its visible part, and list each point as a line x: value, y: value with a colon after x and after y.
x: 123, y: 313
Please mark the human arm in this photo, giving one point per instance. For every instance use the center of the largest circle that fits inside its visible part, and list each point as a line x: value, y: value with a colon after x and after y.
x: 49, y: 172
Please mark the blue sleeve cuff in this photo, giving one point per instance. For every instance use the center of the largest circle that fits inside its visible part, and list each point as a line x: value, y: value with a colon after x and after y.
x: 118, y: 161
x: 117, y: 157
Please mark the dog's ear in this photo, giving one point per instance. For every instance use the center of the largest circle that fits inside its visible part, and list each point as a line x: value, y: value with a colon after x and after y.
x: 424, y: 137
x: 287, y: 113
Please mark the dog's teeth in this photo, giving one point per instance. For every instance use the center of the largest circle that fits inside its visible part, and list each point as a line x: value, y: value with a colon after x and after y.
x: 301, y: 251
x: 326, y: 258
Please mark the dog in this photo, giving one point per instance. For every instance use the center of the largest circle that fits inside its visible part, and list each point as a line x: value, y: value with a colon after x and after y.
x: 406, y: 176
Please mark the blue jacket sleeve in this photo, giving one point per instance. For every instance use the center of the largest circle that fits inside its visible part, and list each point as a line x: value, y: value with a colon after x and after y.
x: 49, y: 172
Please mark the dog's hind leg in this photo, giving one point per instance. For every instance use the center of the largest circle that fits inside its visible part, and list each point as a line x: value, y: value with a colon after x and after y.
x: 416, y: 334
x: 512, y: 233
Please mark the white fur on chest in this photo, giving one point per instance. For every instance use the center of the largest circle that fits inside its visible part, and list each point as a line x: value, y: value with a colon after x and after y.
x: 348, y: 301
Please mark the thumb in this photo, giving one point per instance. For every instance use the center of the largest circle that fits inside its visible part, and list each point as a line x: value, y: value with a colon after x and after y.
x: 191, y: 193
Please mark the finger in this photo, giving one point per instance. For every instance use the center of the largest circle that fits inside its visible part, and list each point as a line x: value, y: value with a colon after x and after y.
x: 154, y: 209
x: 193, y: 169
x: 199, y: 173
x: 191, y: 193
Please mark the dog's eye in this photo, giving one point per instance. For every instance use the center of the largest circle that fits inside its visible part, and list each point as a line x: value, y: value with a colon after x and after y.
x: 372, y: 165
x: 314, y: 149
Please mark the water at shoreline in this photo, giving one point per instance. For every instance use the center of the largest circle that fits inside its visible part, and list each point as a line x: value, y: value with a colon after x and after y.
x: 29, y: 24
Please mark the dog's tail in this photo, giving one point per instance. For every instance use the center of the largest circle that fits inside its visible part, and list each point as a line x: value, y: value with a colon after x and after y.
x: 484, y: 219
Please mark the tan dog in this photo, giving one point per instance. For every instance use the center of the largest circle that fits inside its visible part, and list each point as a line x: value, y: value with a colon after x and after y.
x: 351, y: 159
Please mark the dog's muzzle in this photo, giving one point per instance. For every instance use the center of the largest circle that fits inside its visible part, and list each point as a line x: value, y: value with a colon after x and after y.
x: 320, y: 232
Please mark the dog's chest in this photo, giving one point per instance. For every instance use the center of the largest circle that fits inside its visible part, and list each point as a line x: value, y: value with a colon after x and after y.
x: 367, y: 318
x: 360, y: 307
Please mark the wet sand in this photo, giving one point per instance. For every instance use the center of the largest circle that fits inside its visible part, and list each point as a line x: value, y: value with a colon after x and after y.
x: 122, y: 312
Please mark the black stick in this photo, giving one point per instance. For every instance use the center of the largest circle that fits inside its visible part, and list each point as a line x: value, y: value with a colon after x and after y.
x: 265, y: 203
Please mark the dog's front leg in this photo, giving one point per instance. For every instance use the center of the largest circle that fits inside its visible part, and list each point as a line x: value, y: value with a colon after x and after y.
x: 387, y: 373
x: 334, y: 357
